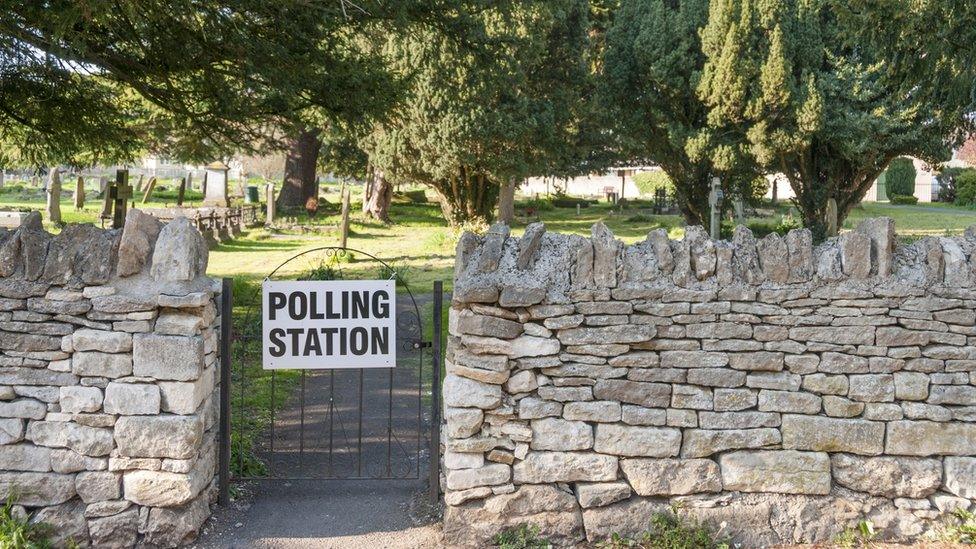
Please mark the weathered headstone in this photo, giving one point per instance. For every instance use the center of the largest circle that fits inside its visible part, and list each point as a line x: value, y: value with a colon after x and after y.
x: 269, y: 217
x: 215, y: 185
x: 139, y: 184
x: 189, y: 180
x: 182, y: 192
x: 54, y: 196
x: 149, y: 189
x: 715, y: 198
x: 345, y: 218
x: 121, y: 192
x: 80, y: 193
x: 102, y: 184
x: 2, y: 175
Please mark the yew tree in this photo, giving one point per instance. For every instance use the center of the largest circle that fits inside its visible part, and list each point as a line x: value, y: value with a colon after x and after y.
x: 813, y: 99
x: 652, y: 66
x: 496, y: 107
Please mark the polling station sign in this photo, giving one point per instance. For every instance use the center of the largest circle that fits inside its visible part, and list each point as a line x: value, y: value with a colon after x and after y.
x: 329, y: 324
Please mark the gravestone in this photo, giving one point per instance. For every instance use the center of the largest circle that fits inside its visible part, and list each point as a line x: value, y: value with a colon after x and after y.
x: 269, y: 192
x: 80, y: 193
x: 345, y: 217
x: 715, y: 198
x: 149, y: 189
x: 139, y: 184
x: 182, y: 192
x: 215, y: 181
x: 189, y: 181
x: 831, y: 217
x: 54, y: 196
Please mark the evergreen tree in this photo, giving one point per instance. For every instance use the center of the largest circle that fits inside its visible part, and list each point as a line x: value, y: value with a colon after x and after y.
x: 499, y: 106
x: 813, y: 101
x: 652, y: 65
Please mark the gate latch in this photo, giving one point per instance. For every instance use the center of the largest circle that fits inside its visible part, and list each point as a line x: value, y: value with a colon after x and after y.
x: 421, y: 344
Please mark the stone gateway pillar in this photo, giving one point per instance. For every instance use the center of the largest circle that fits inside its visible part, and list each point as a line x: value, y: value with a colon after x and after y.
x: 741, y: 384
x: 108, y: 430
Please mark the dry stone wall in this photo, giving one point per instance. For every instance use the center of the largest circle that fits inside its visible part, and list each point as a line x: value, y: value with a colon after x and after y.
x: 108, y: 343
x: 776, y: 391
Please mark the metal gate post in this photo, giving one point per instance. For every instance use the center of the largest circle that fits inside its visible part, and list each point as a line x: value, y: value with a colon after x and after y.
x: 226, y: 334
x: 435, y: 397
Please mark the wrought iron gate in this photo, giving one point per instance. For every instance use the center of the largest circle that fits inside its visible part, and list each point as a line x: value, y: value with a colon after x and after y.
x: 356, y: 423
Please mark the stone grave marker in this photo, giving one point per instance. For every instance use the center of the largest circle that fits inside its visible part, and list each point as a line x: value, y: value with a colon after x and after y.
x: 80, y: 193
x: 269, y: 217
x: 149, y: 189
x: 121, y: 192
x: 182, y: 191
x: 215, y: 181
x: 53, y: 209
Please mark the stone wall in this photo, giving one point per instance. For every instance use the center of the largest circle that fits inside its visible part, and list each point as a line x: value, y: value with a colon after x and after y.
x: 776, y: 391
x: 108, y: 343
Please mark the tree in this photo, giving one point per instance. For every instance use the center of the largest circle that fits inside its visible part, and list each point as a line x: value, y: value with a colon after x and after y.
x: 814, y: 101
x: 479, y: 116
x: 652, y: 65
x: 900, y: 178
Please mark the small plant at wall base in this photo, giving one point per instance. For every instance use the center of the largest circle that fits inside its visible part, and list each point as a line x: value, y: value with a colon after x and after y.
x: 860, y: 535
x: 668, y: 531
x: 17, y: 532
x: 524, y: 536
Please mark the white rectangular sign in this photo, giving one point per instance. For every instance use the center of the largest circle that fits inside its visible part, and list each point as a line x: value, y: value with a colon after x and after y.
x: 324, y: 325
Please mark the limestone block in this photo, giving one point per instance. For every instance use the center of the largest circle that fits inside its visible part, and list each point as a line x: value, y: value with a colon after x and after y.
x: 36, y: 489
x: 177, y: 437
x: 119, y: 530
x: 928, y: 438
x: 737, y: 420
x: 23, y: 408
x: 180, y: 253
x: 181, y: 324
x: 730, y: 400
x: 703, y: 443
x: 546, y: 467
x: 799, y: 243
x: 176, y: 526
x: 881, y: 231
x: 185, y: 397
x: 522, y: 346
x: 652, y: 395
x: 758, y: 361
x: 774, y: 258
x: 11, y: 430
x: 825, y: 384
x: 597, y: 411
x: 25, y: 457
x: 132, y: 398
x: 598, y: 494
x: 625, y: 440
x: 823, y: 434
x: 488, y: 475
x: 745, y: 258
x: 167, y: 357
x: 457, y: 497
x: 95, y: 486
x: 693, y: 359
x: 890, y: 477
x: 463, y: 392
x: 672, y: 477
x: 463, y: 422
x: 855, y: 255
x: 521, y: 382
x: 561, y: 435
x: 783, y: 471
x: 121, y: 304
x: 85, y: 339
x: 534, y: 408
x: 789, y: 401
x: 638, y: 415
x: 606, y: 334
x: 75, y: 400
x: 555, y: 512
x: 101, y: 364
x: 89, y: 441
x: 606, y: 251
x: 138, y: 240
x: 67, y: 523
x: 872, y: 388
x: 960, y: 476
x: 163, y: 489
x: 963, y: 395
x: 691, y: 396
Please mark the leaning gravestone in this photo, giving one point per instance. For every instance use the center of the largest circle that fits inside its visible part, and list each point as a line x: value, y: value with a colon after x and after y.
x: 149, y: 189
x: 80, y: 193
x: 53, y: 209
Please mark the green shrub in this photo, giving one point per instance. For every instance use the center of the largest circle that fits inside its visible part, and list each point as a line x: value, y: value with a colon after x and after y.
x: 639, y: 218
x: 524, y: 536
x: 565, y: 201
x: 965, y: 187
x: 901, y: 199
x: 18, y: 533
x: 900, y: 177
x: 649, y: 182
x: 537, y: 204
x: 960, y: 529
x: 668, y: 531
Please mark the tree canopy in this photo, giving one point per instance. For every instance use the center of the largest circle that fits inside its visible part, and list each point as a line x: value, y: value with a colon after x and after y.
x: 815, y: 104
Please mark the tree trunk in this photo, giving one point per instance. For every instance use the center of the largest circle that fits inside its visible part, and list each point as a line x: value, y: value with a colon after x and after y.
x: 300, y: 183
x: 467, y: 197
x: 506, y: 202
x: 377, y: 195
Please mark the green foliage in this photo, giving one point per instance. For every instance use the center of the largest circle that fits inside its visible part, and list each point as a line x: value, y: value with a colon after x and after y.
x: 861, y: 535
x: 813, y: 99
x: 900, y: 199
x: 524, y: 536
x: 538, y: 204
x: 960, y: 529
x: 399, y: 272
x: 20, y: 533
x: 649, y: 183
x: 668, y: 531
x: 566, y: 201
x: 900, y: 177
x: 965, y: 183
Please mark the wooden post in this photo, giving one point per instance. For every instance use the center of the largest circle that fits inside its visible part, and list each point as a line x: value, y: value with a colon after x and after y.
x: 149, y: 189
x: 182, y: 193
x: 345, y: 218
x: 269, y: 193
x: 831, y: 217
x: 121, y: 192
x: 54, y: 196
x: 80, y: 194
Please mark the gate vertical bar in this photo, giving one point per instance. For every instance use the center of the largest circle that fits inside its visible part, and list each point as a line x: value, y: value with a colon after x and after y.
x: 226, y: 333
x: 435, y: 397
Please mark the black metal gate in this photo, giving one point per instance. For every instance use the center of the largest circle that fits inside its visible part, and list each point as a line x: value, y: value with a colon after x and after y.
x: 356, y: 423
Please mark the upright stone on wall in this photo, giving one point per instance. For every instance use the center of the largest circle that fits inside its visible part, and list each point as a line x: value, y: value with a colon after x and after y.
x: 103, y: 433
x: 779, y: 391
